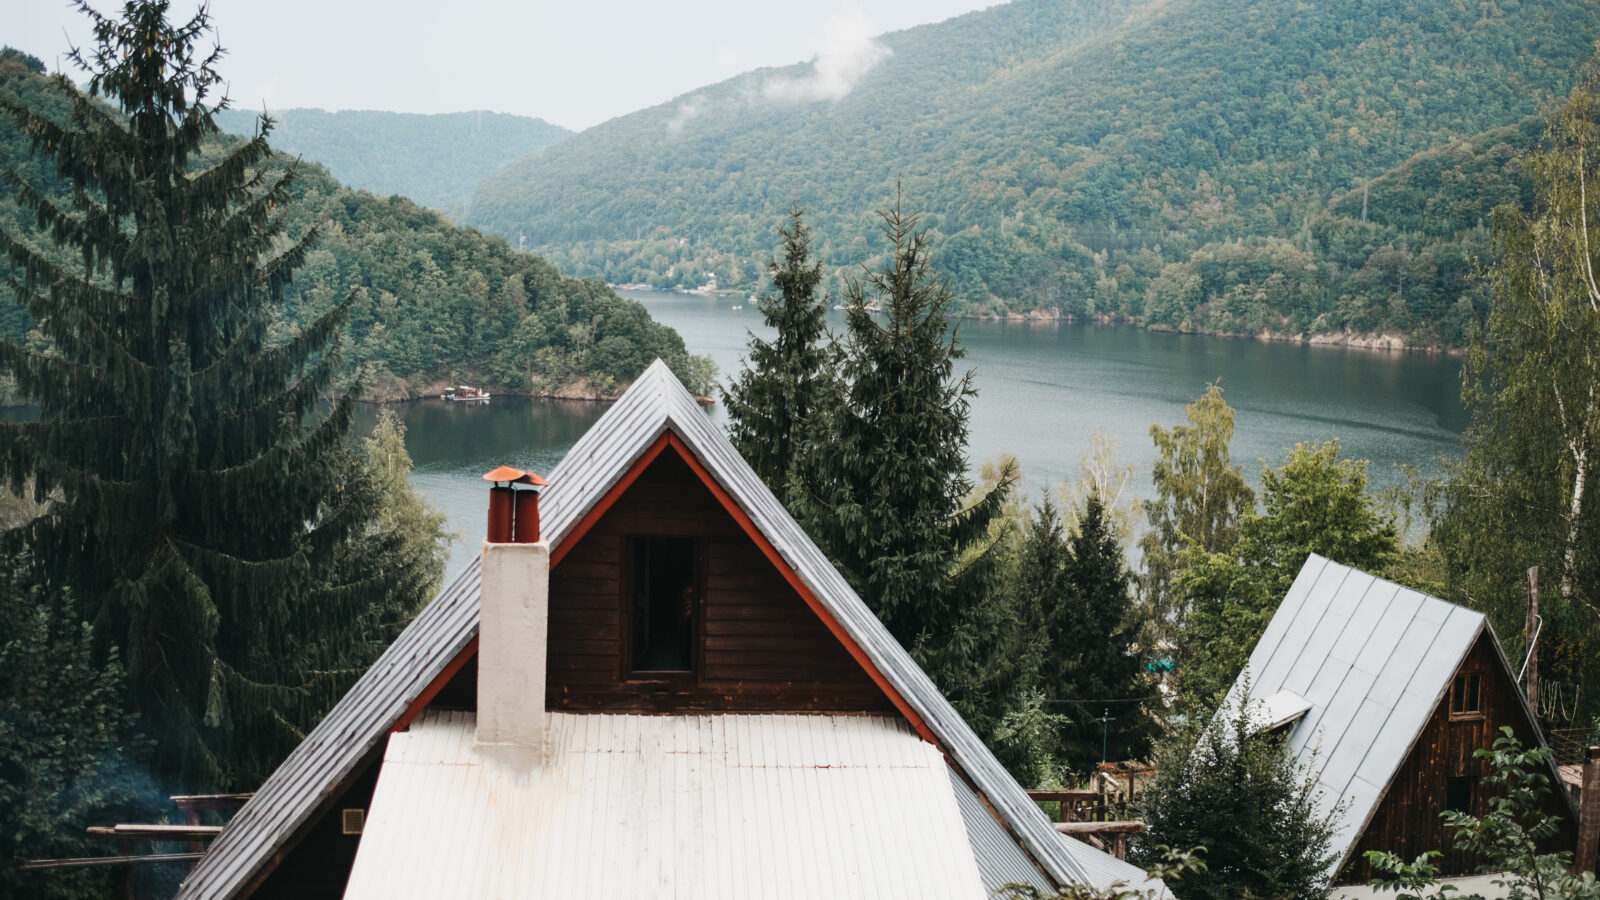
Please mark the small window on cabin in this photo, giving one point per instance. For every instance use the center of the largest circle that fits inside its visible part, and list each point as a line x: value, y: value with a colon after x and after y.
x: 664, y: 603
x: 1465, y: 696
x: 1458, y: 794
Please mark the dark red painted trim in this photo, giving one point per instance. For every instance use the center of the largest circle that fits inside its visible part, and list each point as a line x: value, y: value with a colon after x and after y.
x: 435, y: 686
x: 605, y: 503
x: 800, y: 588
x: 596, y: 512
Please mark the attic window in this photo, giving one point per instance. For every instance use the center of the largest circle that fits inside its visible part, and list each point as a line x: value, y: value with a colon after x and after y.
x: 665, y: 603
x: 352, y: 821
x: 1465, y: 696
x: 1458, y: 794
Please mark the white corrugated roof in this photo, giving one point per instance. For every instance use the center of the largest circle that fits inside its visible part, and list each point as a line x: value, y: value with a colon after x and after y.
x: 1372, y: 659
x: 717, y: 806
x: 656, y: 403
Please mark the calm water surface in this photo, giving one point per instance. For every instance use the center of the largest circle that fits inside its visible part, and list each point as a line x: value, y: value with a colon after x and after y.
x: 1043, y: 391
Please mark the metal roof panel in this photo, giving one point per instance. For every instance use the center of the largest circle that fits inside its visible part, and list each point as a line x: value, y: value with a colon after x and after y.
x: 837, y: 806
x: 1372, y: 658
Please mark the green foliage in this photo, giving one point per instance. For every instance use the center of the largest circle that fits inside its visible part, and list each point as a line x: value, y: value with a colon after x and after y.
x: 437, y: 303
x: 882, y: 485
x: 442, y: 303
x: 1198, y: 165
x: 1250, y: 806
x: 772, y: 401
x: 214, y: 526
x: 1076, y: 594
x: 1200, y: 495
x: 1314, y: 503
x: 1506, y: 839
x: 64, y: 750
x: 435, y: 160
x: 1521, y: 496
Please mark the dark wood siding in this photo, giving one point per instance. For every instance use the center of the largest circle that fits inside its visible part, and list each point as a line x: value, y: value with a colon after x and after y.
x: 1407, y: 819
x: 318, y: 867
x: 759, y: 647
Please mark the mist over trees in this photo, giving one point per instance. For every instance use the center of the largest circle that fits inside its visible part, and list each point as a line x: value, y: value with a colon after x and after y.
x: 1208, y: 166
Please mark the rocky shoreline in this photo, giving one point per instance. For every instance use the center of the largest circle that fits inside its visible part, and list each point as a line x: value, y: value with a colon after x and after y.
x: 1390, y: 341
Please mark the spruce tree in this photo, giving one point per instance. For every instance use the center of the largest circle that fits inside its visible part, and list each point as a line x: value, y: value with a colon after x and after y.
x: 211, y: 522
x: 1092, y: 666
x: 774, y: 397
x: 883, y: 486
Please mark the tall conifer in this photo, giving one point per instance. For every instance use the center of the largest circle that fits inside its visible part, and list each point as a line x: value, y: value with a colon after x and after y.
x: 882, y: 483
x: 777, y: 394
x: 214, y: 525
x: 1091, y: 667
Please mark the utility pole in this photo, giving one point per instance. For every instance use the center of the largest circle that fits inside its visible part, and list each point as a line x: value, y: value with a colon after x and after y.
x: 1105, y: 731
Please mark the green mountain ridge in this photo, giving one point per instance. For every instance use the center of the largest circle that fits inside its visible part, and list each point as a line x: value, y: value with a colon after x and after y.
x: 435, y: 159
x: 436, y: 301
x: 1183, y: 163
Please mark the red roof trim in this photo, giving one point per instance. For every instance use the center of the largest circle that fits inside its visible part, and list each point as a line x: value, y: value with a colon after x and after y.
x: 800, y: 588
x: 434, y: 687
x: 596, y: 512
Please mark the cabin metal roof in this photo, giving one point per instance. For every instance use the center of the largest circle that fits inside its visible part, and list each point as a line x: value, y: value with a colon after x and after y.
x: 655, y: 404
x: 699, y: 806
x: 1372, y: 659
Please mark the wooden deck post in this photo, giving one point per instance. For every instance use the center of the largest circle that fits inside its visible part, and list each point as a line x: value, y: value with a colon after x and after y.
x: 1530, y: 634
x: 1589, y: 815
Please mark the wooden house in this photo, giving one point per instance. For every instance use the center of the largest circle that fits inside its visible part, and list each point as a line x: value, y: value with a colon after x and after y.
x: 1385, y: 693
x: 661, y: 689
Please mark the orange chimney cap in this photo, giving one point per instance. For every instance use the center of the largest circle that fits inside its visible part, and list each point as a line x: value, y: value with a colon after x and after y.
x: 514, y: 476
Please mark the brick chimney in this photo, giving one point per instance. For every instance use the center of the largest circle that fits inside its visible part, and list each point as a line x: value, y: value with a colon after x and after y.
x: 513, y: 618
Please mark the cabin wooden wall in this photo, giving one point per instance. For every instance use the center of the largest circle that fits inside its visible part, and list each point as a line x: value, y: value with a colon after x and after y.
x: 1407, y: 820
x: 318, y: 867
x: 759, y: 647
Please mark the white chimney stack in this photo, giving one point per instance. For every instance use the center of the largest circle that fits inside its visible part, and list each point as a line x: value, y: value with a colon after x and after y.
x: 513, y: 634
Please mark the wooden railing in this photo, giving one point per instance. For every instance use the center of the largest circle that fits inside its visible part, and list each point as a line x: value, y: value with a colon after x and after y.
x: 1089, y: 817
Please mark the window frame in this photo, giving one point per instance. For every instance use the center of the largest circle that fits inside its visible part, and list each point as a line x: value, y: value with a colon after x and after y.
x: 1465, y: 684
x: 1465, y: 789
x: 682, y: 677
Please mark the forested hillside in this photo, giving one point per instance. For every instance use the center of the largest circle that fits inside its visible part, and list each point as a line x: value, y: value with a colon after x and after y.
x: 437, y: 301
x: 1186, y: 163
x: 435, y: 160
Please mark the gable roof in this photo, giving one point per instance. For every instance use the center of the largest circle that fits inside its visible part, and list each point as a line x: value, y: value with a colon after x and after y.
x: 1371, y: 660
x: 655, y: 405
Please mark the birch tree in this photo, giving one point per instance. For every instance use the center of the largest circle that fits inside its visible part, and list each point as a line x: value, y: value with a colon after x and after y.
x: 1200, y: 495
x: 1521, y: 495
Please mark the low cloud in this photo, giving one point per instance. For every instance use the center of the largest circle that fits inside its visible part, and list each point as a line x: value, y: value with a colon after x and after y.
x: 688, y: 110
x: 848, y: 53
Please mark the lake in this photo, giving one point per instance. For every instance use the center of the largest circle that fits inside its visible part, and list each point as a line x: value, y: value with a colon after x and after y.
x: 1044, y: 389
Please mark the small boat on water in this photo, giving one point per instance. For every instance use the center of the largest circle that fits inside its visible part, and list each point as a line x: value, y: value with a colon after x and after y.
x: 465, y: 393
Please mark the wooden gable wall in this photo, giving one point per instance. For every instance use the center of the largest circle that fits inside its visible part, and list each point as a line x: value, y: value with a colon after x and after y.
x: 759, y: 647
x: 1407, y: 821
x: 317, y: 866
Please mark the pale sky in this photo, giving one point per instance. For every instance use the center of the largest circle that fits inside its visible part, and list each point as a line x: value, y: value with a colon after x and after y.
x: 575, y: 64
